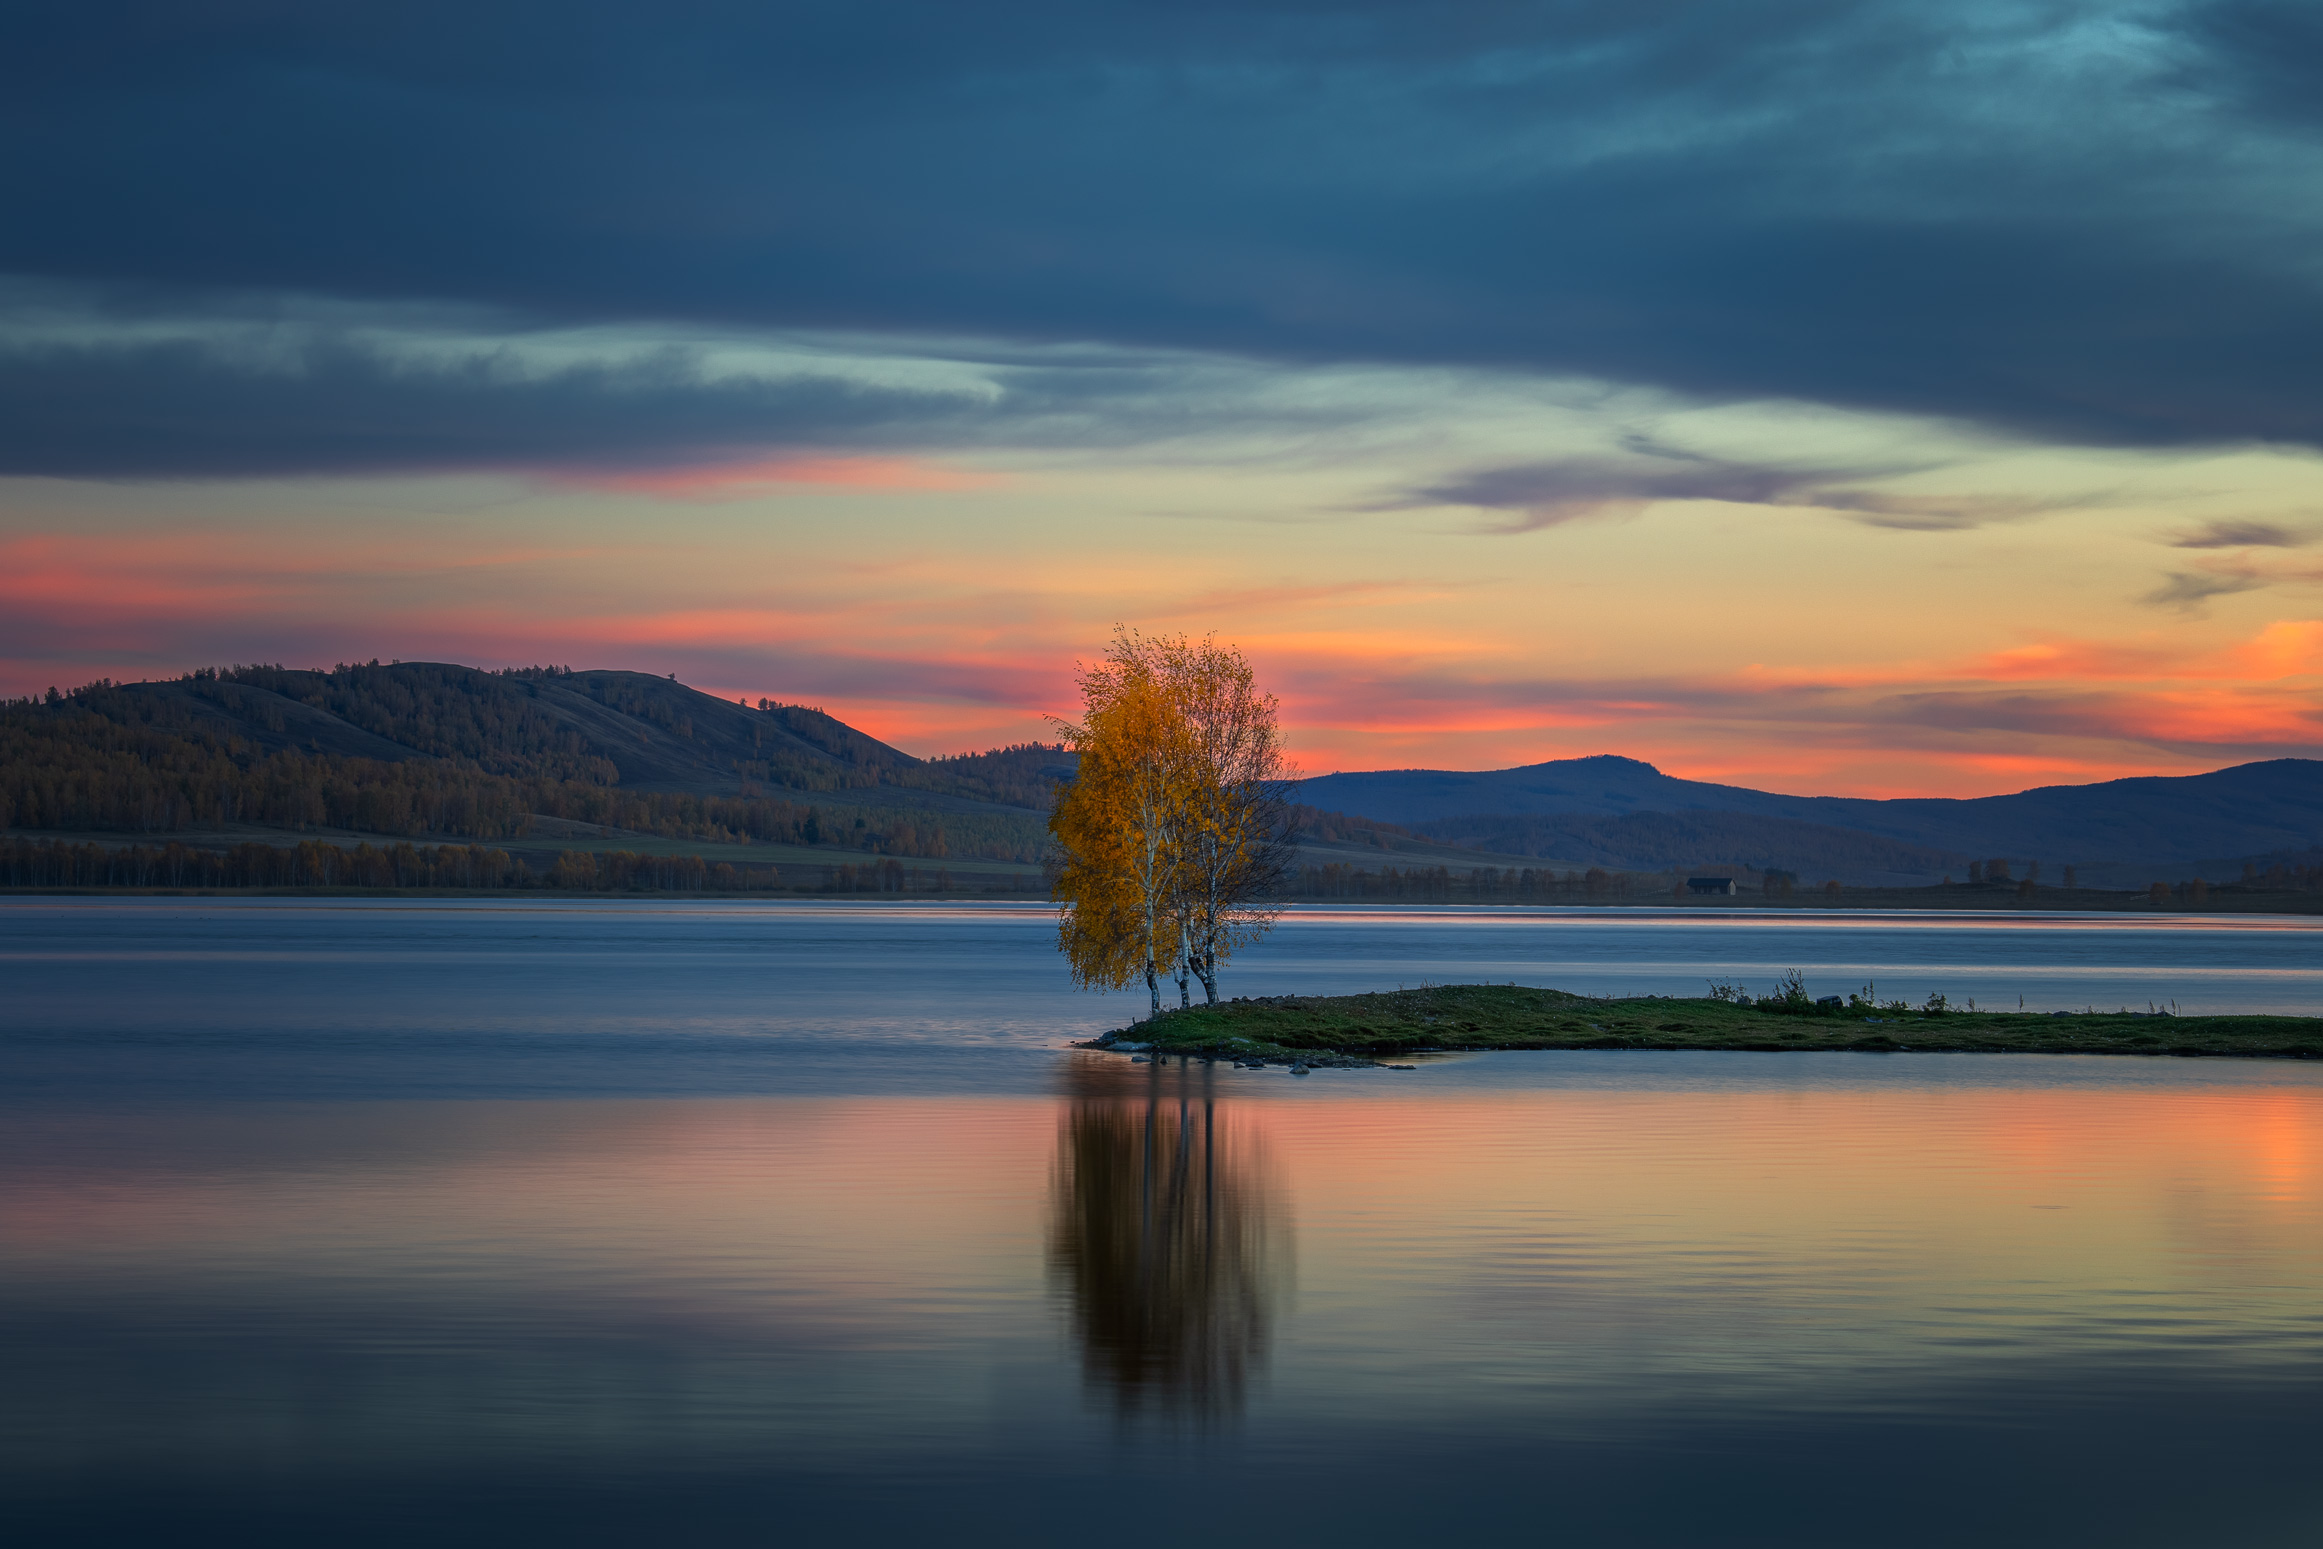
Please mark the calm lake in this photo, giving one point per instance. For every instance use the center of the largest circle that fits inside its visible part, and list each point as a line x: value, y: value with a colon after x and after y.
x: 723, y: 1222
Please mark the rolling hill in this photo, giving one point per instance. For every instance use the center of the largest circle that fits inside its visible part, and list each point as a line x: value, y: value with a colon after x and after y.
x: 1617, y: 811
x: 542, y: 761
x: 428, y: 749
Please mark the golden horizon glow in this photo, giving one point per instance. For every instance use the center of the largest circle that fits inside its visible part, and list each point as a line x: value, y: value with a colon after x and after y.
x: 2037, y: 634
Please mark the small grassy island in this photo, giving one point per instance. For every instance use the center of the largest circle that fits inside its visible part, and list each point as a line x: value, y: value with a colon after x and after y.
x: 1367, y: 1029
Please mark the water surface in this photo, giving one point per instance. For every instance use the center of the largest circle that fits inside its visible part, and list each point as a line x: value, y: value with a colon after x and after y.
x: 700, y: 1223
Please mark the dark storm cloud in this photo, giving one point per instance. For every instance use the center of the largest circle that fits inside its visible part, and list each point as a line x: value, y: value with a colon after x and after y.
x: 128, y: 386
x: 2060, y: 219
x: 178, y: 410
x: 2264, y: 56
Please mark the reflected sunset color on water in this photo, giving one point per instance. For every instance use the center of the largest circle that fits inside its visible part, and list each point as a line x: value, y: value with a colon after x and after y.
x: 842, y: 1275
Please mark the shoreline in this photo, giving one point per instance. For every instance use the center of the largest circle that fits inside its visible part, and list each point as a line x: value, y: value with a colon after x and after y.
x: 2269, y: 908
x: 1369, y: 1030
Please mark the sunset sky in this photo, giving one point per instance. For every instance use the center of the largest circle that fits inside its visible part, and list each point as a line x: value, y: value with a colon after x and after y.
x: 1848, y: 398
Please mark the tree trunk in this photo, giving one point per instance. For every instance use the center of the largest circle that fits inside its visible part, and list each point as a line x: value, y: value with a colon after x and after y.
x: 1185, y: 962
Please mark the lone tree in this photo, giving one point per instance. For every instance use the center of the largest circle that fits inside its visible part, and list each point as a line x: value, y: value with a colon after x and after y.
x: 1120, y: 827
x: 1174, y: 835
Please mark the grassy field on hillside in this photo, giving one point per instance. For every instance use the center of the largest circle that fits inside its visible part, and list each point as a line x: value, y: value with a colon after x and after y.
x: 1345, y: 1029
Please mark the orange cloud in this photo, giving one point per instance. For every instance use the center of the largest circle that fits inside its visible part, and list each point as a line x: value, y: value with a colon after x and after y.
x: 2070, y: 659
x: 2286, y: 648
x: 2222, y: 715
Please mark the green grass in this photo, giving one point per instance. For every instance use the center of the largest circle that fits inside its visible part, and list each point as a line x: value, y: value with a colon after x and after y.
x: 1357, y: 1028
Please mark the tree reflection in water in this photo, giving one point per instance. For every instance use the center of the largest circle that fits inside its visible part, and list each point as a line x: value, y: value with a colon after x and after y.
x: 1172, y: 1248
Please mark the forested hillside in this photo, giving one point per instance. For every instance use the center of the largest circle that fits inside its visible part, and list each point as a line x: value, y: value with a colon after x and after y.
x: 415, y: 748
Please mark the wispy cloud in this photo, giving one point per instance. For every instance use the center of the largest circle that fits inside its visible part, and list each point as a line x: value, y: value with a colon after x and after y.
x: 733, y: 481
x: 2187, y: 590
x: 2230, y: 533
x: 1933, y: 513
x: 1553, y: 493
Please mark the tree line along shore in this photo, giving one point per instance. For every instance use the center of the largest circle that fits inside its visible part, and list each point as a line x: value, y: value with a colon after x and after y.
x: 1325, y: 1030
x: 47, y: 863
x: 313, y: 865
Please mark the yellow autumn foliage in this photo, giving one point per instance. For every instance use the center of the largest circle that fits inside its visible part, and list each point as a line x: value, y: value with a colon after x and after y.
x: 1171, y: 836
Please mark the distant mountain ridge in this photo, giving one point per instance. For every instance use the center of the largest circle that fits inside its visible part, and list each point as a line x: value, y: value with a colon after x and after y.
x: 414, y: 748
x: 1580, y: 808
